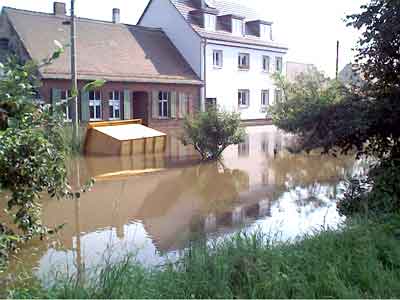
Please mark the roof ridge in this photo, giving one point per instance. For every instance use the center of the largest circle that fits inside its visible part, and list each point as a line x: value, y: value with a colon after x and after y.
x: 31, y: 12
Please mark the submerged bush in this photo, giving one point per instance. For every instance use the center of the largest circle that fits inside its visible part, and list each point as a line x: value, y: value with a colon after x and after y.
x: 211, y: 132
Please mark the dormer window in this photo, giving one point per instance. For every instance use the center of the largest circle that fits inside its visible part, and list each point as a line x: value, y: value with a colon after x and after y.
x: 237, y: 27
x: 210, y: 22
x: 4, y: 44
x: 265, y: 32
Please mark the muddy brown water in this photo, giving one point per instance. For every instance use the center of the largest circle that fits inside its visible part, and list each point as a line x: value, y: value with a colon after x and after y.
x: 153, y: 206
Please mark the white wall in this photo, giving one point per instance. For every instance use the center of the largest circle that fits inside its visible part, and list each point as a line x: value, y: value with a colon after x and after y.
x: 163, y: 14
x: 224, y: 83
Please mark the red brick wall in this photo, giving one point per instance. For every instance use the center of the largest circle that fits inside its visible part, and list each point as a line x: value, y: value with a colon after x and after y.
x: 192, y: 90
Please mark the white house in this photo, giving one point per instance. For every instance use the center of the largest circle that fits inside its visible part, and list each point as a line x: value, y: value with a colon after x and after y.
x: 232, y: 50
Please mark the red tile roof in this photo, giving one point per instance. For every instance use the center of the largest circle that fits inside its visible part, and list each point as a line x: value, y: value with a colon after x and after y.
x: 114, y: 52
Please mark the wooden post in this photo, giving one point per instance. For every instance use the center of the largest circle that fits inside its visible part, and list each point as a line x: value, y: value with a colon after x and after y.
x: 74, y: 76
x: 337, y: 59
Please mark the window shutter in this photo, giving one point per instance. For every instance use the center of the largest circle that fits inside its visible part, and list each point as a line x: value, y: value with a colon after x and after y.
x: 248, y: 98
x: 181, y: 105
x: 55, y: 97
x: 127, y: 105
x: 85, y: 106
x: 173, y: 104
x: 154, y: 104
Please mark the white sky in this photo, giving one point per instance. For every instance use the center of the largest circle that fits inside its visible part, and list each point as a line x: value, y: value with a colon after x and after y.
x: 310, y: 28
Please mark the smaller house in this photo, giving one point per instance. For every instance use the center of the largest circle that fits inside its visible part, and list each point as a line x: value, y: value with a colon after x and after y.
x: 351, y: 75
x: 295, y: 69
x: 146, y: 76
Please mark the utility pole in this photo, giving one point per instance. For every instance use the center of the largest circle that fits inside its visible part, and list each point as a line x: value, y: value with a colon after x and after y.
x: 74, y: 76
x: 337, y: 59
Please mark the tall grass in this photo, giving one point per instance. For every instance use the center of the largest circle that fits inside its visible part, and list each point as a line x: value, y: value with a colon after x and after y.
x: 74, y: 147
x: 360, y: 261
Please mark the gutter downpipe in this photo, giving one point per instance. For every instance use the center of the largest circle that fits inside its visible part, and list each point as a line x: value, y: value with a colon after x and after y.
x: 203, y: 75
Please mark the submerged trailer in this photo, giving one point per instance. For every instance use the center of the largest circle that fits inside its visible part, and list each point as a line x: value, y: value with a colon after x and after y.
x: 123, y: 138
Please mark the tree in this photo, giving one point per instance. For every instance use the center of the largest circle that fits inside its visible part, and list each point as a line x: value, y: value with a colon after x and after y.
x: 363, y: 119
x: 211, y: 132
x: 33, y: 152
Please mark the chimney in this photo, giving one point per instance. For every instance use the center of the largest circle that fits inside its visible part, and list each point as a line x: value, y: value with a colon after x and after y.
x: 116, y: 15
x: 201, y: 4
x: 59, y: 9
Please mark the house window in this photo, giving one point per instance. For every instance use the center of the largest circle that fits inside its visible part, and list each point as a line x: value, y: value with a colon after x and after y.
x: 4, y: 44
x: 244, y: 148
x: 66, y: 101
x: 164, y: 99
x: 217, y: 58
x: 278, y: 96
x: 237, y: 27
x: 278, y: 64
x: 244, y: 98
x: 95, y: 105
x: 265, y: 32
x: 244, y: 61
x: 210, y: 22
x: 264, y: 98
x: 266, y: 63
x: 114, y: 103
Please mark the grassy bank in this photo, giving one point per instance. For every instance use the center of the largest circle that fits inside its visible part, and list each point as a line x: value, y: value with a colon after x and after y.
x: 361, y: 261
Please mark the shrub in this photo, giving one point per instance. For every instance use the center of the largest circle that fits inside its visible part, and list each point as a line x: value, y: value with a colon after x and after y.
x: 377, y: 195
x: 211, y: 132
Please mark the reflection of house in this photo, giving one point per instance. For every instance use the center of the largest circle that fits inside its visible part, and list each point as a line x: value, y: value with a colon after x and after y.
x: 229, y: 47
x: 170, y: 205
x: 295, y: 69
x: 146, y: 77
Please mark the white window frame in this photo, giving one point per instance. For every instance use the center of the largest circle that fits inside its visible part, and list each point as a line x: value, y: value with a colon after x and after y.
x: 65, y: 95
x: 164, y: 97
x: 237, y: 27
x: 265, y: 96
x: 210, y: 22
x: 95, y: 101
x: 218, y: 59
x: 278, y: 66
x: 266, y: 63
x: 114, y: 105
x: 242, y: 66
x: 244, y: 98
x: 266, y: 32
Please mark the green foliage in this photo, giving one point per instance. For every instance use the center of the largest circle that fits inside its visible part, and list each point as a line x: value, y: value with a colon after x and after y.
x: 364, y: 119
x: 359, y: 261
x: 378, y: 48
x: 17, y: 87
x: 376, y: 195
x: 33, y: 151
x: 212, y: 132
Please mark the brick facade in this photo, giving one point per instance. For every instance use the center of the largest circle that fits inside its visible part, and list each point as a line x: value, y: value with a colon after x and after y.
x: 141, y: 92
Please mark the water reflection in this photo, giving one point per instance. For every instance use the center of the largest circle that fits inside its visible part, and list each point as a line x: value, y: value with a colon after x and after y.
x: 158, y: 213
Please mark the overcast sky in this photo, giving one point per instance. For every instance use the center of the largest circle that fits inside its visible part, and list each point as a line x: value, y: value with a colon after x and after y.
x: 310, y: 28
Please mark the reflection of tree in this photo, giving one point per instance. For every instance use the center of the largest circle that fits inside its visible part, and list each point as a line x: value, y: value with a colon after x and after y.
x: 306, y: 170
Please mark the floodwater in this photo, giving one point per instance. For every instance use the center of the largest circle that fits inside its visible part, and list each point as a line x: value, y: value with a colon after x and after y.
x: 157, y: 210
